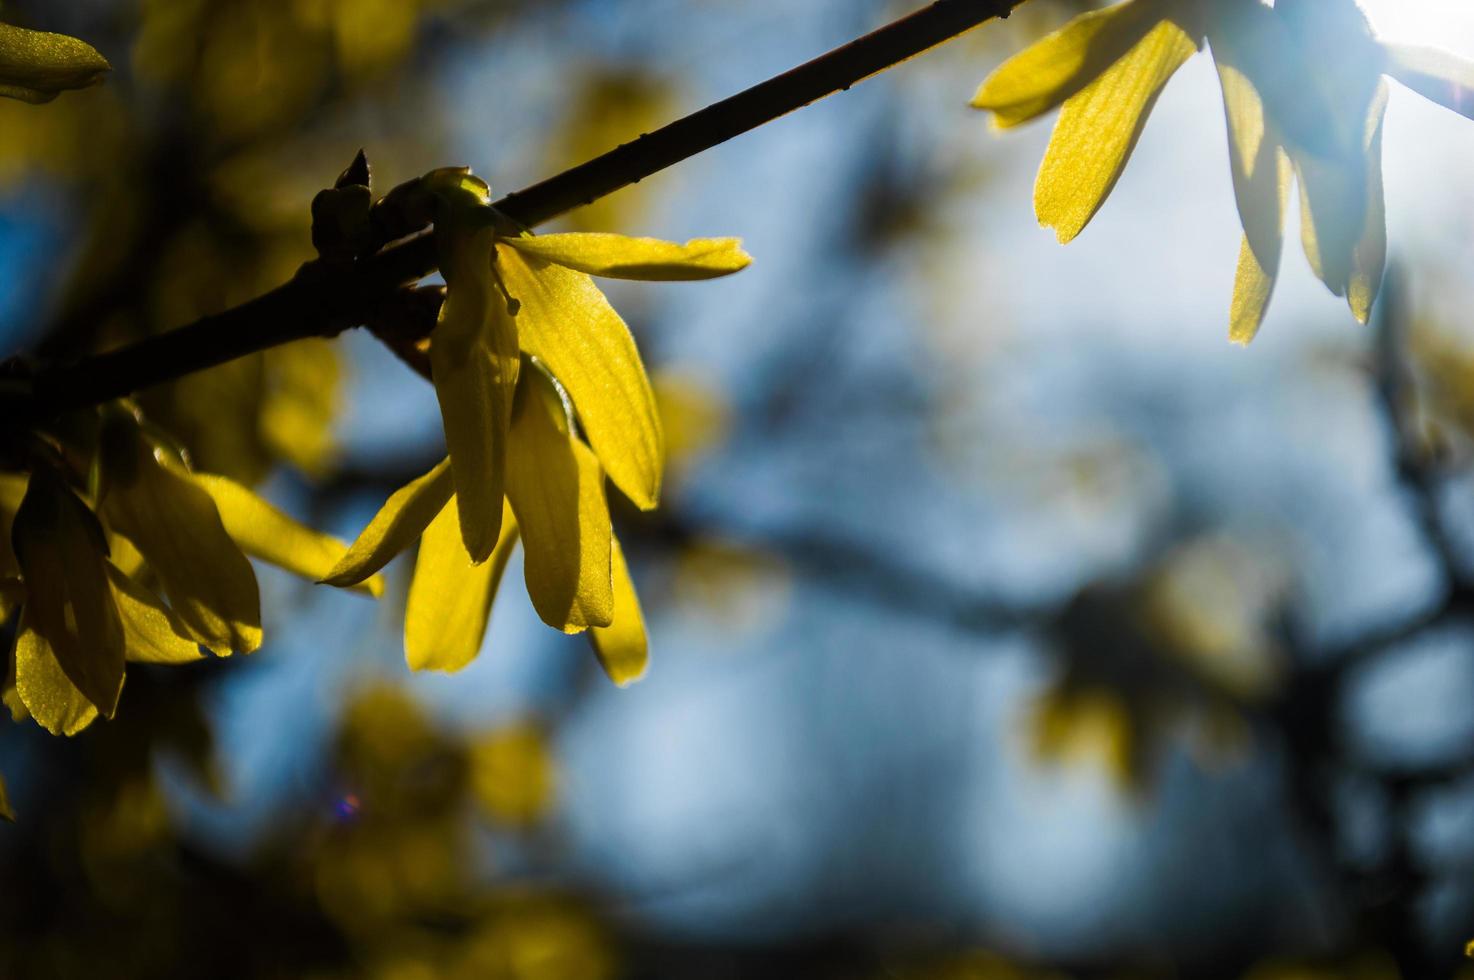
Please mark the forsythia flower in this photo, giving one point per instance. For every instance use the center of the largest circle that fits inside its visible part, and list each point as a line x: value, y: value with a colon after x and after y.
x: 87, y: 577
x: 1304, y: 96
x: 527, y: 453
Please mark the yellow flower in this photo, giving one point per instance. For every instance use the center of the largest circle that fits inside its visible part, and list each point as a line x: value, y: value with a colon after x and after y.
x: 87, y: 577
x: 542, y: 394
x: 573, y: 566
x: 1304, y: 96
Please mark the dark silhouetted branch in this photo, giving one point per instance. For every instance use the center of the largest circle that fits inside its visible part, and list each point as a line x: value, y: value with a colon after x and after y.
x: 323, y: 301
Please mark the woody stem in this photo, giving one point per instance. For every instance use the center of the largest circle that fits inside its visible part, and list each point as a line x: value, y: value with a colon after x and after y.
x: 323, y: 300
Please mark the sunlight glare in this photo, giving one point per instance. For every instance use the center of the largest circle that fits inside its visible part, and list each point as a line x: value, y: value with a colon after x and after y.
x: 1447, y: 24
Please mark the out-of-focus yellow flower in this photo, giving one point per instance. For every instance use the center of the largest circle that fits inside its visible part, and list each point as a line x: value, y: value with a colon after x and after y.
x: 1173, y: 657
x: 1211, y: 604
x: 1304, y: 96
x: 532, y: 937
x: 6, y: 813
x: 87, y: 578
x: 36, y: 66
x: 512, y: 774
x: 694, y: 416
x: 609, y: 105
x: 1093, y: 724
x: 542, y: 394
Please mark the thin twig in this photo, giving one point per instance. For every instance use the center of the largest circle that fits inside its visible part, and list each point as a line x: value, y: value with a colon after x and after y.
x: 323, y: 301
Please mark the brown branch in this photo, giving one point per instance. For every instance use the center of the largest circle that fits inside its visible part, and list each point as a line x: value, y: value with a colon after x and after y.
x: 323, y: 301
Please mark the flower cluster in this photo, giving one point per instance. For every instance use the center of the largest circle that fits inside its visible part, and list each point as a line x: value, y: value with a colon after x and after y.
x: 1304, y: 91
x: 88, y: 564
x: 542, y: 395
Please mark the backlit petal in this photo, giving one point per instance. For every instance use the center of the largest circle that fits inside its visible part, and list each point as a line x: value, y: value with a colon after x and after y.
x: 1342, y: 222
x: 1099, y: 127
x: 12, y: 492
x: 622, y: 647
x: 1258, y: 267
x: 9, y: 696
x: 44, y: 688
x: 1369, y: 259
x: 61, y: 550
x: 1436, y: 75
x: 266, y: 533
x: 1057, y: 66
x: 474, y: 360
x: 1332, y: 215
x: 556, y: 489
x: 155, y: 635
x: 621, y: 257
x: 177, y: 528
x: 1257, y: 47
x: 1260, y: 181
x: 450, y: 598
x: 566, y: 323
x: 397, y: 525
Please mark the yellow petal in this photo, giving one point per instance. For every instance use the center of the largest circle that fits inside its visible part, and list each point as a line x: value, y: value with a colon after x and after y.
x: 1260, y: 183
x: 1255, y: 43
x: 622, y: 647
x: 1436, y: 75
x: 1332, y: 215
x: 124, y: 555
x: 474, y: 360
x: 556, y: 489
x: 155, y: 635
x: 1342, y: 221
x: 1099, y: 127
x: 450, y: 598
x: 264, y: 532
x: 36, y: 66
x: 9, y: 696
x: 1309, y: 240
x: 402, y: 519
x: 565, y: 322
x: 51, y: 698
x: 12, y: 594
x: 177, y: 528
x: 1252, y: 288
x: 1057, y: 66
x: 620, y: 257
x: 1258, y: 268
x: 12, y: 492
x: 1369, y: 259
x: 61, y: 550
x: 1244, y: 108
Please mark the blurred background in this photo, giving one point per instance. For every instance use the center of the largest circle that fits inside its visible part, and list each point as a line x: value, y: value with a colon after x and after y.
x: 1006, y: 620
